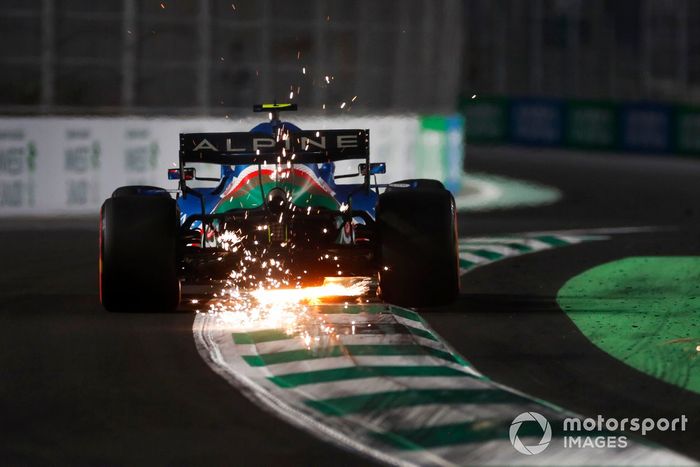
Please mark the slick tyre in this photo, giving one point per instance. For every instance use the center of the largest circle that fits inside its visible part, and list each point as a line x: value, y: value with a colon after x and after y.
x: 138, y: 254
x: 418, y: 238
x: 140, y: 190
x: 421, y: 184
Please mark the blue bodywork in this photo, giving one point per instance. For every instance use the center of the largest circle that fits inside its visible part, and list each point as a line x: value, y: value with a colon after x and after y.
x: 362, y: 200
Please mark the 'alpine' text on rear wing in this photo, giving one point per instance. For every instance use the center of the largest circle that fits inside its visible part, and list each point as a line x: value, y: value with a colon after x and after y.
x: 315, y: 146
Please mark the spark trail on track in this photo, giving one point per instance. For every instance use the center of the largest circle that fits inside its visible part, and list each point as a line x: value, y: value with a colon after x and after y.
x: 377, y: 379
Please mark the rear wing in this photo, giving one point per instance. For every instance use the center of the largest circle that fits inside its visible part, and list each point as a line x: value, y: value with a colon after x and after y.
x: 304, y: 147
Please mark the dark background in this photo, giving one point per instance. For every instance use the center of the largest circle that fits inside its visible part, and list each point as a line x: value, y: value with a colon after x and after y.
x: 207, y: 57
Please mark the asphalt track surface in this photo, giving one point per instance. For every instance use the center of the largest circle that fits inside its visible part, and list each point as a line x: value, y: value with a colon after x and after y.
x: 81, y: 386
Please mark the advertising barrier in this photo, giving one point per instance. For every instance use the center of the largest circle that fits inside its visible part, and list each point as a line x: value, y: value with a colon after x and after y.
x: 686, y: 134
x: 485, y: 119
x: 536, y: 122
x: 440, y: 150
x: 64, y: 166
x: 591, y: 125
x: 597, y: 125
x: 645, y: 127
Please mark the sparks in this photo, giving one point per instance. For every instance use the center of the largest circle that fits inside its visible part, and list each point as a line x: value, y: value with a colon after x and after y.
x: 289, y: 309
x: 313, y: 295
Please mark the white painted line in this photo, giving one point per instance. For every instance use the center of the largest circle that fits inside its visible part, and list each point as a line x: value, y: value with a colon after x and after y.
x: 350, y: 361
x: 473, y: 258
x: 532, y: 243
x: 503, y: 250
x: 484, y: 192
x: 603, y: 230
x: 347, y: 388
x: 357, y: 339
x: 432, y: 415
x: 478, y: 193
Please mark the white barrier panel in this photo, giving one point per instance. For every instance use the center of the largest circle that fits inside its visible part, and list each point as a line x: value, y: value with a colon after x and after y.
x: 62, y: 166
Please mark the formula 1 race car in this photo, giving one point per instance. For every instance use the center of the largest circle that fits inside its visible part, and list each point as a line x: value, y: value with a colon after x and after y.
x: 277, y: 214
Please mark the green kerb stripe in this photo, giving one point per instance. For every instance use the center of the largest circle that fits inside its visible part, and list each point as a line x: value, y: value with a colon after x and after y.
x: 256, y: 337
x: 421, y: 333
x: 354, y: 350
x: 519, y: 247
x: 486, y: 254
x: 457, y: 433
x: 463, y: 263
x: 552, y: 240
x: 404, y: 313
x: 408, y: 398
x: 341, y: 374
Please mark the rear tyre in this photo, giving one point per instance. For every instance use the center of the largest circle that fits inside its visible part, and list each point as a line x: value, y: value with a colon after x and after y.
x: 140, y: 190
x: 418, y: 235
x: 138, y: 254
x: 416, y: 184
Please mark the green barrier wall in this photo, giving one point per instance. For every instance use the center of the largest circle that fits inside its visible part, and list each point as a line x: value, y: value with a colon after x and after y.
x: 599, y: 125
x: 486, y: 119
x: 591, y: 125
x: 686, y: 131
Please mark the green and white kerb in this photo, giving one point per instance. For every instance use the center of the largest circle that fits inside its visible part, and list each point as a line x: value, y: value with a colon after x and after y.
x: 387, y: 386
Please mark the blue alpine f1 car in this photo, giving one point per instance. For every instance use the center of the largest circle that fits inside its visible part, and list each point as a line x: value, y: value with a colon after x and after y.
x: 278, y: 213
